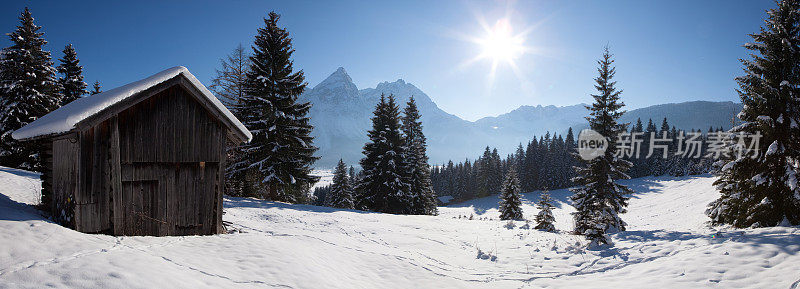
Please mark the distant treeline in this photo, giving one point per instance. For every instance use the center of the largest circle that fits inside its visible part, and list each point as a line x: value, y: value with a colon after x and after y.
x: 547, y: 162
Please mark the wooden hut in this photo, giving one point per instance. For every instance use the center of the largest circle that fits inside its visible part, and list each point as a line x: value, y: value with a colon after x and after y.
x: 146, y: 158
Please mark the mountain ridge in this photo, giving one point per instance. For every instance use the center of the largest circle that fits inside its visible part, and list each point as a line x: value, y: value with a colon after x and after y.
x: 341, y: 114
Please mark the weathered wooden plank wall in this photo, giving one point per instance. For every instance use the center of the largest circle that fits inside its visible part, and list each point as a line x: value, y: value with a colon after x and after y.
x: 170, y: 150
x: 66, y: 152
x: 93, y: 199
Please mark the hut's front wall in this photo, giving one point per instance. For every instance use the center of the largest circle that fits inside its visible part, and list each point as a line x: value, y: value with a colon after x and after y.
x: 170, y: 153
x: 155, y: 168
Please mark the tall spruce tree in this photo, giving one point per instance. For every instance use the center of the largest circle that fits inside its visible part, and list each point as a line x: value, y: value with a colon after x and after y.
x: 29, y: 89
x: 545, y: 219
x: 495, y: 172
x: 485, y: 173
x: 418, y: 171
x: 598, y: 198
x: 571, y: 147
x: 351, y: 174
x: 341, y: 193
x: 763, y: 190
x: 281, y: 152
x: 510, y: 199
x: 383, y: 187
x: 71, y: 81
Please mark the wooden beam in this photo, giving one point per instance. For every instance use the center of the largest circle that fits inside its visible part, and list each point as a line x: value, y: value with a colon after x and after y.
x: 116, y: 179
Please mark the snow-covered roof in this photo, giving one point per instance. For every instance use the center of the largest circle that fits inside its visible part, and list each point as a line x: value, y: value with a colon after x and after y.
x: 67, y: 117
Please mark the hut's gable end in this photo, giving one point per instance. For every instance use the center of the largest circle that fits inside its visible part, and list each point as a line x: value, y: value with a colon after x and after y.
x: 153, y: 168
x: 171, y: 127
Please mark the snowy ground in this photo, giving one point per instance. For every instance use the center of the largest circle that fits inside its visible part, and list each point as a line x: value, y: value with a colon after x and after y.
x: 279, y: 245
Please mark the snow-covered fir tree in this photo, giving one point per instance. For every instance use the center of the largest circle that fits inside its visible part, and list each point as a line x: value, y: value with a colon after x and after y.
x: 341, y: 193
x: 495, y: 172
x: 598, y: 198
x: 383, y: 186
x: 281, y: 152
x: 29, y: 89
x: 96, y: 88
x: 545, y: 219
x: 352, y: 176
x: 762, y: 190
x: 72, y: 85
x: 510, y: 199
x: 417, y: 170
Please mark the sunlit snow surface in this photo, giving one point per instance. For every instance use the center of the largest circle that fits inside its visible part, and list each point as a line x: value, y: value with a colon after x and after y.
x: 667, y: 245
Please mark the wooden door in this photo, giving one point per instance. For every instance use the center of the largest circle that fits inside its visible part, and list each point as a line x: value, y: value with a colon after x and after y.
x: 142, y: 208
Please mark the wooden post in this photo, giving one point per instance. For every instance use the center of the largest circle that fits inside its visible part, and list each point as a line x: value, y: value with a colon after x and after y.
x: 116, y: 179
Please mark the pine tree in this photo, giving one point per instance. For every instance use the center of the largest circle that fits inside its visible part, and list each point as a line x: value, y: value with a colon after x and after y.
x: 763, y: 190
x: 638, y: 127
x: 495, y: 172
x: 72, y: 83
x: 545, y: 219
x: 638, y: 160
x: 341, y: 193
x: 383, y: 187
x: 28, y: 90
x: 281, y: 152
x: 597, y: 198
x: 418, y: 171
x: 485, y: 174
x: 532, y: 163
x: 510, y: 199
x: 96, y: 88
x: 649, y: 164
x: 351, y: 174
x: 570, y: 150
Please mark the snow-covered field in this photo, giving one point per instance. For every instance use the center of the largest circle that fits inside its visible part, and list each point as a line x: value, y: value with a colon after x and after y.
x: 667, y: 245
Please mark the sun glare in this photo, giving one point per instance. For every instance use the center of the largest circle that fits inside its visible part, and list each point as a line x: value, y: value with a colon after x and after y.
x: 501, y: 44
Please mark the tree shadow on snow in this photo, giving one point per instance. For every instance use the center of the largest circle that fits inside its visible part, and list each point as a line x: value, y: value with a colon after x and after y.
x: 238, y: 202
x: 482, y: 205
x: 778, y: 237
x: 21, y: 173
x: 11, y: 210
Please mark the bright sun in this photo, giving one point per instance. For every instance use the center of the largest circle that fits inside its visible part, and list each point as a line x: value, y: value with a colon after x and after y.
x: 500, y: 44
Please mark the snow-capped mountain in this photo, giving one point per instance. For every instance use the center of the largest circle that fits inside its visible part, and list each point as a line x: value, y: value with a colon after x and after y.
x: 341, y: 115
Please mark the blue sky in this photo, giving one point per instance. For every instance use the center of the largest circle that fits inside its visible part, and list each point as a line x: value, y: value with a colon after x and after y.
x: 666, y: 51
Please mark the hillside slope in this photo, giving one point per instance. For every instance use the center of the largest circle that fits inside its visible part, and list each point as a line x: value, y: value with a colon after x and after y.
x: 300, y: 246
